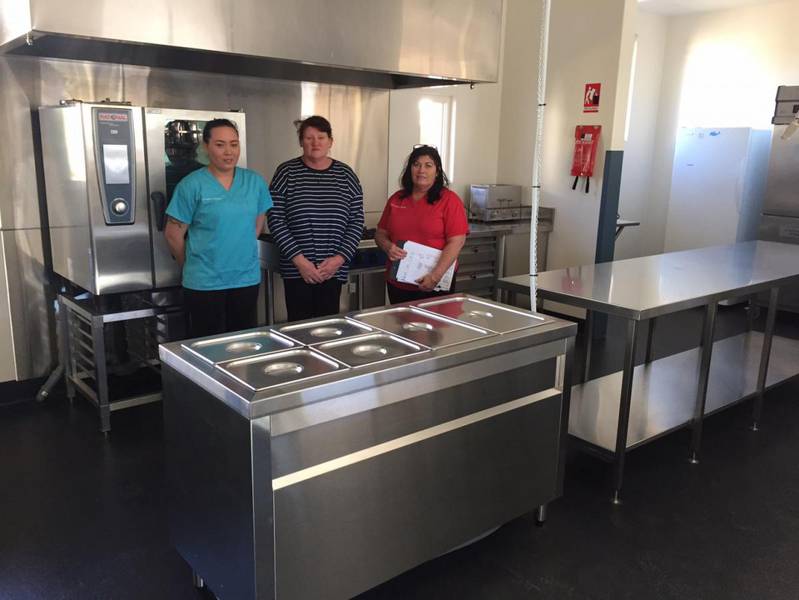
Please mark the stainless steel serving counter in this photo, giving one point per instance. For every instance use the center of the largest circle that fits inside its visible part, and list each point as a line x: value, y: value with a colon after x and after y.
x: 320, y: 458
x: 677, y: 390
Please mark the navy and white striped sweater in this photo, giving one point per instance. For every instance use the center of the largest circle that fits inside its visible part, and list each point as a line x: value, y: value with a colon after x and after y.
x: 316, y: 213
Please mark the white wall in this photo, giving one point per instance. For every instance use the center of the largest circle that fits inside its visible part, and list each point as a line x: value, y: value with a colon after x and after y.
x: 721, y: 69
x: 588, y: 42
x: 636, y: 184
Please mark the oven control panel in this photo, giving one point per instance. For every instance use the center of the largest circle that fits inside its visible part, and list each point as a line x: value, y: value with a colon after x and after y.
x: 116, y: 167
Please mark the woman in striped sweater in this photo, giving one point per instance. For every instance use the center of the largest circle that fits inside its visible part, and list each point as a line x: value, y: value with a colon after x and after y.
x: 316, y: 222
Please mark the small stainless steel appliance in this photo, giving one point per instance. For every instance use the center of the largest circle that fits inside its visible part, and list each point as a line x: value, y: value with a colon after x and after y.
x: 110, y: 170
x: 495, y: 202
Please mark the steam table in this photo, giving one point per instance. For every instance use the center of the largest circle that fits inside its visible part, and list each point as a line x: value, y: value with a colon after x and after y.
x: 358, y: 446
x: 677, y: 390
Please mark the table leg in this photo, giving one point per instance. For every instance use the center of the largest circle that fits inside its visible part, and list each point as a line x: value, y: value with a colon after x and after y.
x: 541, y: 515
x: 270, y: 297
x: 765, y: 355
x: 624, y: 409
x: 197, y: 581
x: 708, y: 328
x: 650, y: 335
x: 103, y: 405
x: 69, y: 368
x: 563, y: 382
x: 60, y: 370
x: 69, y: 364
x: 750, y: 313
x: 499, y: 265
x: 588, y: 335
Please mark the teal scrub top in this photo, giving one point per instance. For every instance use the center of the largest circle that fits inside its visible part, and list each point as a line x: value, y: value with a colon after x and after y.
x: 221, y: 248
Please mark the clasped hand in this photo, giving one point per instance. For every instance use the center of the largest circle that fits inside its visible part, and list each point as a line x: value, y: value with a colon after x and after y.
x: 326, y: 269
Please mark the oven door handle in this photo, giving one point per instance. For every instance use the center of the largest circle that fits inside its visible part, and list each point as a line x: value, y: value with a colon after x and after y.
x: 159, y: 208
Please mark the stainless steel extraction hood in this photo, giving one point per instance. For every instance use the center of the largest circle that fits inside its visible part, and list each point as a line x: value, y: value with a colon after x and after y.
x: 376, y: 43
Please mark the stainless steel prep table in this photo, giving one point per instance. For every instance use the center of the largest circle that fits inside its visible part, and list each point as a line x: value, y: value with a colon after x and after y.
x: 677, y: 390
x: 414, y: 432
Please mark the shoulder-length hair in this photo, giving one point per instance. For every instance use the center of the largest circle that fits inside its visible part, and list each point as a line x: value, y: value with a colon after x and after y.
x: 441, y: 181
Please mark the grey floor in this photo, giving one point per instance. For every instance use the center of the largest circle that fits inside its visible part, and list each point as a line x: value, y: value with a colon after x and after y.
x: 85, y: 517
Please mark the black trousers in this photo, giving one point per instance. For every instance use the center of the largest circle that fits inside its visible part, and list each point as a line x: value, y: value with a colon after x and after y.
x: 309, y: 300
x: 397, y: 295
x: 220, y: 311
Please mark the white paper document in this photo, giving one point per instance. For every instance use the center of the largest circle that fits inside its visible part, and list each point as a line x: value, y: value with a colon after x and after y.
x: 419, y: 262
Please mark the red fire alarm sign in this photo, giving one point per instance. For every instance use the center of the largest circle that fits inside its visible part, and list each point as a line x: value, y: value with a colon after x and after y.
x: 591, y: 97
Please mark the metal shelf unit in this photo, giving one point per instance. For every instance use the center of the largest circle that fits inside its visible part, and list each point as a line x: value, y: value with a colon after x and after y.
x: 85, y: 335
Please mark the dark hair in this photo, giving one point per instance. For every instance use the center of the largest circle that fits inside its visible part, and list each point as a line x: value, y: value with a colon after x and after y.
x: 213, y: 124
x: 406, y: 180
x: 316, y: 122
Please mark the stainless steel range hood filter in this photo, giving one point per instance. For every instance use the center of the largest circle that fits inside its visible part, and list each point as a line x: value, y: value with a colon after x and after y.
x: 374, y: 43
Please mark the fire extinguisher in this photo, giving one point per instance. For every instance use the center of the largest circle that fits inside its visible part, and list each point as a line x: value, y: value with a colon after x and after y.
x: 586, y: 141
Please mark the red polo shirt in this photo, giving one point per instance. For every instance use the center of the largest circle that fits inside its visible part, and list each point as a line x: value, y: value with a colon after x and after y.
x: 406, y: 219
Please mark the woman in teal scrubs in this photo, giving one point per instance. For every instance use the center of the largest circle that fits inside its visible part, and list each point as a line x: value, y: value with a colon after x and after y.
x: 214, y: 219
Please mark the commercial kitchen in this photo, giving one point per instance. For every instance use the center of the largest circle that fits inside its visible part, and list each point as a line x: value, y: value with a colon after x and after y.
x: 603, y: 407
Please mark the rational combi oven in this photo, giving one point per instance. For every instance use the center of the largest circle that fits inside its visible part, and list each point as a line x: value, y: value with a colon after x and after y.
x: 110, y: 171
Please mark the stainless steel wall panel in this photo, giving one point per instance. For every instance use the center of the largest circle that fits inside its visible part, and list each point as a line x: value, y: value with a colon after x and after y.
x: 8, y: 367
x: 19, y: 204
x: 443, y: 39
x: 30, y: 315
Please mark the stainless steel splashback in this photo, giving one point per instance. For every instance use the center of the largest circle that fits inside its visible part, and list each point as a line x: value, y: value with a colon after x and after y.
x: 379, y: 43
x: 360, y: 127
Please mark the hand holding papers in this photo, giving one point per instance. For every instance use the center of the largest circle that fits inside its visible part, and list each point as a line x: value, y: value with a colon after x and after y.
x: 419, y: 262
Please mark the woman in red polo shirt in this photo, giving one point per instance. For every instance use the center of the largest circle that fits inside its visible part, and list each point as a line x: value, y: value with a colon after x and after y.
x: 427, y: 212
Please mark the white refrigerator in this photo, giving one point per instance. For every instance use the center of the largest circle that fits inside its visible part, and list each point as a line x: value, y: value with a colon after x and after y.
x: 717, y: 186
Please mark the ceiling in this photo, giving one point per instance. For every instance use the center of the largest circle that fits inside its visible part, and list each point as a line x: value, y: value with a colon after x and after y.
x: 679, y: 7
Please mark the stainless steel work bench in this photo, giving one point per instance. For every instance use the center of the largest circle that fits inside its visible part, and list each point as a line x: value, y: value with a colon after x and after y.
x: 626, y: 409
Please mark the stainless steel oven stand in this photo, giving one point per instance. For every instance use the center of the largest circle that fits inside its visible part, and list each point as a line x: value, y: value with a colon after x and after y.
x: 82, y: 354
